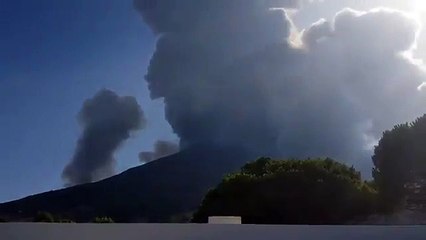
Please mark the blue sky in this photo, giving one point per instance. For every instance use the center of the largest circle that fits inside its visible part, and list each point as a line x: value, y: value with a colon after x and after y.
x: 53, y: 56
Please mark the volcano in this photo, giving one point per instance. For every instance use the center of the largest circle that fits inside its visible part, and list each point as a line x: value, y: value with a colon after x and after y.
x: 165, y: 190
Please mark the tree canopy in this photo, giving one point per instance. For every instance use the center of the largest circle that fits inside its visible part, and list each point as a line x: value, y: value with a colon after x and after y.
x: 313, y: 191
x: 399, y: 157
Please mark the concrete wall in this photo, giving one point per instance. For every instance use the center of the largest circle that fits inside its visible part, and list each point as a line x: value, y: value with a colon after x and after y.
x: 34, y: 231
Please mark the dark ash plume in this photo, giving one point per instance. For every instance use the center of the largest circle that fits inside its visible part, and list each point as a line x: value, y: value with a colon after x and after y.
x: 161, y: 149
x: 107, y: 121
x: 230, y: 75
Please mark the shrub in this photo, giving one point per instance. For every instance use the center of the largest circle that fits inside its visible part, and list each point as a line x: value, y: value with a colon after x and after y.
x: 103, y: 220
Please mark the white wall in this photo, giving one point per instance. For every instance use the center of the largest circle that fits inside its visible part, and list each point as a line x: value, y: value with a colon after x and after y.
x: 34, y: 231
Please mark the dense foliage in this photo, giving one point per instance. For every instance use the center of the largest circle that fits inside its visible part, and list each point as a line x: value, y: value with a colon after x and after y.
x: 313, y: 191
x: 103, y: 220
x: 399, y: 158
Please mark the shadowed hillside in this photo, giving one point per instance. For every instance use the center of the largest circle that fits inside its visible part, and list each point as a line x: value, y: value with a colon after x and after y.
x: 160, y: 191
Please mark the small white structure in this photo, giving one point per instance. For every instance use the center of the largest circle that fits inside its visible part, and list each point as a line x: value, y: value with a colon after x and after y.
x: 224, y: 220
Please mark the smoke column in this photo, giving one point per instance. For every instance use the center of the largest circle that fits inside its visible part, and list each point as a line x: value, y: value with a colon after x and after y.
x: 232, y: 73
x: 161, y: 149
x: 107, y: 121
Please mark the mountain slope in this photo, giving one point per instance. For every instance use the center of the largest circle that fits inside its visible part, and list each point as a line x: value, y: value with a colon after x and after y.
x: 154, y: 192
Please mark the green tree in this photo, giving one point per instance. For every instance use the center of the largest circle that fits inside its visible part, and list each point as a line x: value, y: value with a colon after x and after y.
x: 313, y: 191
x: 103, y: 220
x: 399, y: 156
x: 44, y: 217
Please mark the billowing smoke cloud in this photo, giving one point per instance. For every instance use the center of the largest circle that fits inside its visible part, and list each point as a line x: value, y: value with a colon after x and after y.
x: 314, y: 9
x: 107, y: 121
x: 359, y: 56
x: 230, y: 75
x: 161, y: 149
